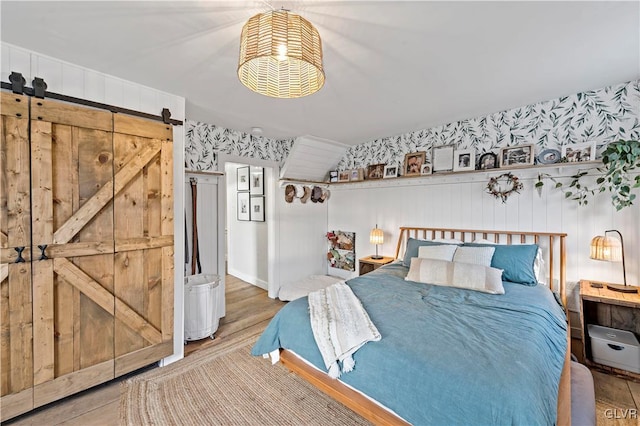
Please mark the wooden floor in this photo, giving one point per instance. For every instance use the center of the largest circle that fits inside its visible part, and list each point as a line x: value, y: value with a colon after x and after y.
x: 248, y: 306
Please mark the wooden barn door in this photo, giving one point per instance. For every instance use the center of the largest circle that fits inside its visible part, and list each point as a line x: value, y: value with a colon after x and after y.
x: 16, y: 325
x: 72, y: 211
x: 143, y: 242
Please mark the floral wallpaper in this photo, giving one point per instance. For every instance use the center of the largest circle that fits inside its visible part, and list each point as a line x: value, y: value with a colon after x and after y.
x: 203, y: 142
x: 603, y: 115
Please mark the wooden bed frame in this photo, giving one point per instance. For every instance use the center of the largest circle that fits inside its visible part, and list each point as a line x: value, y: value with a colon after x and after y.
x: 553, y: 244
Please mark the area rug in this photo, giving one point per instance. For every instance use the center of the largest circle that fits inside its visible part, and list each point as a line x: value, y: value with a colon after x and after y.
x: 225, y: 385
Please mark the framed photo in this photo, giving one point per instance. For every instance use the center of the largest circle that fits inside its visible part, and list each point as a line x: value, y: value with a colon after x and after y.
x: 488, y: 160
x: 464, y: 160
x: 243, y: 206
x: 375, y: 171
x: 442, y: 158
x: 549, y: 156
x: 243, y: 178
x: 390, y: 171
x: 333, y: 176
x: 256, y: 184
x: 413, y: 162
x: 513, y: 156
x: 579, y: 152
x: 256, y: 205
x: 356, y: 174
x: 426, y: 169
x: 343, y: 176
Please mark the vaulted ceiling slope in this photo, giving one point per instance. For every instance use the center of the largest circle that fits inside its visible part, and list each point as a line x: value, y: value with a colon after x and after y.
x: 391, y: 67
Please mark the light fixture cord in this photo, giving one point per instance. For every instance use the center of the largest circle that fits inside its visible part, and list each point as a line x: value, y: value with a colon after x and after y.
x: 268, y: 4
x: 624, y: 270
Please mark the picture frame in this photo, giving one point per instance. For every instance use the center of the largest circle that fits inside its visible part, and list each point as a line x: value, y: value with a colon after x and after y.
x: 413, y: 162
x: 343, y: 175
x: 517, y: 156
x: 442, y: 158
x: 426, y: 169
x: 579, y: 152
x: 256, y: 181
x: 488, y: 161
x: 464, y: 160
x: 549, y: 156
x: 375, y: 171
x: 244, y: 211
x: 242, y: 178
x: 356, y: 174
x: 256, y: 207
x: 390, y: 171
x: 333, y: 176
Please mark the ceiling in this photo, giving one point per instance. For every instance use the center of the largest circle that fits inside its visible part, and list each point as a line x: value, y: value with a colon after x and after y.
x: 391, y: 67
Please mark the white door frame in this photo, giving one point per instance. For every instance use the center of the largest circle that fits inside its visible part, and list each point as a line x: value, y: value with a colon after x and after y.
x: 273, y: 239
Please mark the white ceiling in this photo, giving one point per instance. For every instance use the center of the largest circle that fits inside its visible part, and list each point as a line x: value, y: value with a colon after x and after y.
x: 391, y: 67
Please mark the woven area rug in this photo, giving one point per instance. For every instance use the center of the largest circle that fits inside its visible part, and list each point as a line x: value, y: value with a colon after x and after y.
x: 228, y: 386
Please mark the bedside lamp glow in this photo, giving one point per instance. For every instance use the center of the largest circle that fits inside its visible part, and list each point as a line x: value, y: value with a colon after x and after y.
x: 376, y: 237
x: 612, y: 250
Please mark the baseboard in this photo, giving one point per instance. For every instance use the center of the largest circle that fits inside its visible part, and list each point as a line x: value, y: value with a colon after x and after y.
x: 249, y: 278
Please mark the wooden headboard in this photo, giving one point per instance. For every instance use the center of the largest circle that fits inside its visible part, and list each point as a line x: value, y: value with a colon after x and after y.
x: 552, y: 244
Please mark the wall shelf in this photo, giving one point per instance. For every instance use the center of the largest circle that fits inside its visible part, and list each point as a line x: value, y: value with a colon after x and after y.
x: 203, y: 172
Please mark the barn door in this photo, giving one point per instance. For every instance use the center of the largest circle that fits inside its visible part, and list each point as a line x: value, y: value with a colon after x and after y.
x: 143, y: 242
x: 72, y: 228
x: 16, y: 354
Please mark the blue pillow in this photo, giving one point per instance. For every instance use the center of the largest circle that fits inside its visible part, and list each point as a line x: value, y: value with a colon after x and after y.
x: 515, y: 260
x: 412, y: 249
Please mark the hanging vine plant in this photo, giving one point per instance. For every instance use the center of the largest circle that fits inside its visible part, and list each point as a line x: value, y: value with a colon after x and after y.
x: 503, y: 186
x: 620, y: 162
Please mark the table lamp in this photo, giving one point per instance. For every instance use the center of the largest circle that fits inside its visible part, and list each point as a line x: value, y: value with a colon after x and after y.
x: 376, y: 237
x: 611, y: 249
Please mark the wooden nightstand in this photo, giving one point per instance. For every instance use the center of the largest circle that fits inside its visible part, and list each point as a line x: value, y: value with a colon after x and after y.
x: 601, y: 306
x: 367, y: 264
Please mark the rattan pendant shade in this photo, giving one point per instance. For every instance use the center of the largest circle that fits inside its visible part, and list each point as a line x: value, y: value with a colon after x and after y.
x: 280, y: 55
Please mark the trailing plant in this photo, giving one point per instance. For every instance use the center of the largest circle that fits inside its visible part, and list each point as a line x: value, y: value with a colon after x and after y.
x: 620, y: 161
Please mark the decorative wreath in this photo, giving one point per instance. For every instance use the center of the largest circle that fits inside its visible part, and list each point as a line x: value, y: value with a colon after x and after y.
x: 513, y: 184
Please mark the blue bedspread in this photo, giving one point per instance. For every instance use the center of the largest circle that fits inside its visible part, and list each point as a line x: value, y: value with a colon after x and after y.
x: 447, y: 356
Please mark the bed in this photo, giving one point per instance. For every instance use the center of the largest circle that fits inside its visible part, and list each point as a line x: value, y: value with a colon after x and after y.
x: 447, y: 355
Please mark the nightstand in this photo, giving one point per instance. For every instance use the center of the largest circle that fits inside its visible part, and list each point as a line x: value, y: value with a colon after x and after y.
x: 367, y: 264
x: 601, y: 306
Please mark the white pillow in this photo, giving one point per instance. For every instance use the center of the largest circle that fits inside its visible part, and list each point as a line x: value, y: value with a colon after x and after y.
x: 476, y: 255
x: 441, y: 252
x: 456, y: 274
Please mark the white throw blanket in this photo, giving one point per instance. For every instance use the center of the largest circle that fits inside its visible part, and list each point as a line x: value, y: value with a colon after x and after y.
x: 340, y: 326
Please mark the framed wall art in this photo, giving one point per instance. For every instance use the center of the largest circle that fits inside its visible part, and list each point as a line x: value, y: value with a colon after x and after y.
x: 342, y: 250
x: 256, y: 182
x: 390, y: 171
x: 514, y: 156
x: 243, y: 206
x: 375, y: 171
x: 442, y: 158
x: 343, y: 176
x: 243, y: 178
x: 426, y: 169
x: 487, y: 161
x: 413, y: 162
x: 356, y: 174
x: 579, y: 152
x: 256, y: 206
x: 464, y: 160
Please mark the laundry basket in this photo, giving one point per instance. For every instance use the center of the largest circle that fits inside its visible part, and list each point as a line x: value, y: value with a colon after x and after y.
x: 201, y: 316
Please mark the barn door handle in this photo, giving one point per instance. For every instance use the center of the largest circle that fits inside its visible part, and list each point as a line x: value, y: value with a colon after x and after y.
x: 42, y: 249
x: 19, y: 259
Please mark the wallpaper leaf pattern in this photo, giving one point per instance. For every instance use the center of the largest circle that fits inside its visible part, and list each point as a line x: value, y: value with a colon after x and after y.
x: 204, y: 141
x: 603, y: 115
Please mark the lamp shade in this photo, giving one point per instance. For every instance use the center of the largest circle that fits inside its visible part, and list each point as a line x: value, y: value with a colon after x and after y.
x: 606, y: 248
x: 280, y: 55
x: 376, y: 236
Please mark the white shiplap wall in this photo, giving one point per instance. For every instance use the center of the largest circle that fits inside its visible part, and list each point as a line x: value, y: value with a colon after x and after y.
x: 72, y: 80
x: 460, y: 201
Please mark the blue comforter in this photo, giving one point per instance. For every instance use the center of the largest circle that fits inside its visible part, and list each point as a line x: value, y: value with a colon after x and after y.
x: 447, y: 356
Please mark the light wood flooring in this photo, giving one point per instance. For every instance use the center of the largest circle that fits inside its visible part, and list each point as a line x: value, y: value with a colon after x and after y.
x: 247, y: 307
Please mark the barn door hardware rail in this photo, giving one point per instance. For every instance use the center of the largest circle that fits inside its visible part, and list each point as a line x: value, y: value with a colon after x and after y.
x: 39, y: 90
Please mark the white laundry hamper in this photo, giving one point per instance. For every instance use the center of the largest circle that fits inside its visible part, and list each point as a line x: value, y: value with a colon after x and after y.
x: 201, y: 316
